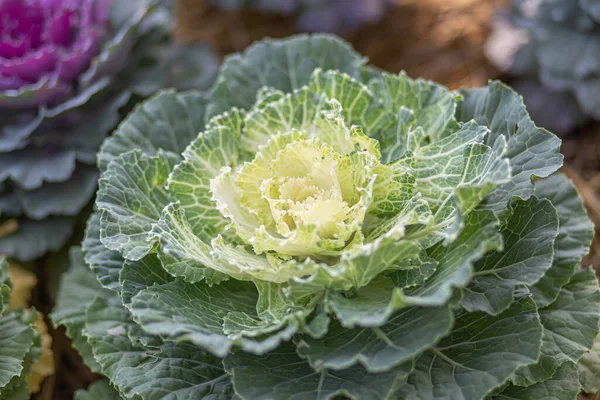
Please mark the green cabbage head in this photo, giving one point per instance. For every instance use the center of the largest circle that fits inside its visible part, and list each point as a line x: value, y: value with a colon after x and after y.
x: 314, y: 228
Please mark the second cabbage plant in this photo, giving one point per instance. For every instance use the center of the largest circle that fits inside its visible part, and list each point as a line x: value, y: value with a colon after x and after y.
x: 314, y: 228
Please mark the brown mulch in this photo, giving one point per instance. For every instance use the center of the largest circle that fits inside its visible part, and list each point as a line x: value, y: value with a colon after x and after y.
x: 441, y: 40
x: 71, y: 373
x: 582, y: 164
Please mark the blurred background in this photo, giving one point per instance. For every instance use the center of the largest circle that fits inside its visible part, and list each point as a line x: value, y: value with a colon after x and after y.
x: 442, y: 40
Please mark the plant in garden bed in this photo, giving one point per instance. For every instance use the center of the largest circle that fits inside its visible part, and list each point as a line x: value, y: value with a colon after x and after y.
x: 66, y: 68
x: 552, y: 49
x: 316, y: 228
x: 318, y: 15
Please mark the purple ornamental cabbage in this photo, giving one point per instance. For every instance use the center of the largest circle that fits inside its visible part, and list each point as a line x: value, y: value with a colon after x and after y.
x: 67, y: 67
x: 319, y: 15
x: 46, y: 45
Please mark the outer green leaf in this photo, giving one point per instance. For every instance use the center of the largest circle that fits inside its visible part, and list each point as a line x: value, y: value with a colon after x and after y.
x: 186, y: 313
x: 78, y: 288
x: 454, y: 174
x: 589, y: 368
x: 281, y: 64
x: 105, y: 263
x: 199, y: 376
x: 16, y: 340
x: 432, y: 104
x: 570, y: 326
x: 17, y: 390
x: 401, y: 338
x: 571, y: 322
x: 455, y: 161
x: 415, y: 211
x: 106, y: 326
x: 273, y: 302
x: 479, y: 354
x: 357, y: 267
x: 168, y: 121
x: 369, y: 306
x: 131, y: 196
x: 532, y: 151
x: 5, y: 286
x: 424, y: 268
x: 375, y: 258
x: 99, y: 390
x: 487, y: 168
x: 563, y: 385
x: 138, y: 275
x: 539, y: 371
x: 455, y: 263
x: 575, y: 235
x: 282, y: 375
x: 148, y: 373
x: 260, y: 337
x: 454, y: 268
x: 529, y: 230
x: 17, y: 387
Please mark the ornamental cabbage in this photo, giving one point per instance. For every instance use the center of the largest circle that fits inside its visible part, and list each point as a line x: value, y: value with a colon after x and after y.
x: 318, y: 16
x: 46, y: 47
x: 315, y: 228
x: 551, y: 47
x: 66, y: 68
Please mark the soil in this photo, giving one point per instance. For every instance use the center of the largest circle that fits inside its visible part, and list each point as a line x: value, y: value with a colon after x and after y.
x: 440, y: 40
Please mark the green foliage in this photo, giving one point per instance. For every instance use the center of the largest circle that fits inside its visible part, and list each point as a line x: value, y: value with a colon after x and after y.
x: 309, y: 230
x: 99, y: 390
x: 20, y: 343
